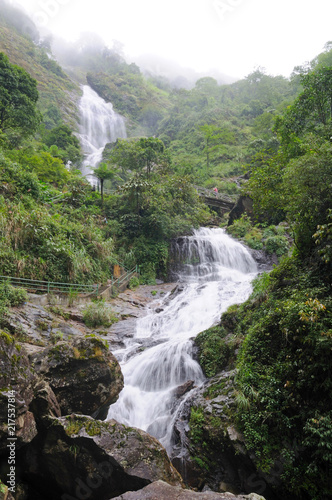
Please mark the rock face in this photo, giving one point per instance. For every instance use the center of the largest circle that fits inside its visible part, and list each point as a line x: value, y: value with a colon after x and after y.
x: 75, y: 456
x: 210, y: 452
x: 99, y: 460
x: 163, y: 491
x: 17, y: 376
x: 243, y: 205
x: 84, y: 374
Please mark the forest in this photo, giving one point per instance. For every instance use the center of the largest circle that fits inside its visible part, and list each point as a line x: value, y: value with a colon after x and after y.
x: 263, y: 137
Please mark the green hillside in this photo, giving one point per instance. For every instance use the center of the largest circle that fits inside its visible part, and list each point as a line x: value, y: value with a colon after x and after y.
x: 58, y: 94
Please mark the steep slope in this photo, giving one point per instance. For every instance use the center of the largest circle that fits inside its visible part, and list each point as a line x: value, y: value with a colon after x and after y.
x: 58, y: 94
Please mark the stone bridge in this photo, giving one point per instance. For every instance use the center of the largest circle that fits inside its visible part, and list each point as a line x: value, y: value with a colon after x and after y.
x: 216, y: 200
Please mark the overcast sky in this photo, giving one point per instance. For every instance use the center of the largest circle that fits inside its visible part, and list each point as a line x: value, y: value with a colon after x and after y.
x: 233, y: 36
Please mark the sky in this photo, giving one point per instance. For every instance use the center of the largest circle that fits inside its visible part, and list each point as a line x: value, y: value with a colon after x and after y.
x: 231, y: 36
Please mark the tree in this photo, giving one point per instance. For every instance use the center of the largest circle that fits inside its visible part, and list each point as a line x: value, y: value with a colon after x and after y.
x: 103, y: 173
x: 47, y: 168
x: 312, y: 110
x: 136, y: 155
x: 151, y: 152
x: 69, y: 146
x: 18, y: 98
x: 212, y: 136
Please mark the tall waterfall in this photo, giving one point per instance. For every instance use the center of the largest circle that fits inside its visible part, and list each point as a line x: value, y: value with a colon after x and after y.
x: 100, y: 124
x: 215, y: 272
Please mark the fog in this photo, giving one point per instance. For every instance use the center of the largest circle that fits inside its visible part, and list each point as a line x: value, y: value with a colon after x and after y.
x: 187, y: 38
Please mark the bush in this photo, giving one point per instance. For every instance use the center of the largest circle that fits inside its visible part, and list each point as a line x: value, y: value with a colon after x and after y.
x: 98, y: 313
x: 214, y: 350
x: 240, y: 227
x: 254, y: 239
x: 277, y: 244
x: 133, y: 283
x: 11, y: 296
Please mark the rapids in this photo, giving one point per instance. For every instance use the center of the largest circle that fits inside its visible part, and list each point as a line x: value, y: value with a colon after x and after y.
x: 214, y: 272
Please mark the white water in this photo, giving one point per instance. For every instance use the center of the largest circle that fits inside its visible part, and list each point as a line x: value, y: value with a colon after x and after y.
x: 217, y: 273
x: 100, y: 124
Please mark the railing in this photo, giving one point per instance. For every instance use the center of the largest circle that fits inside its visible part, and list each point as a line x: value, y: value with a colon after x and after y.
x: 125, y: 277
x: 54, y: 287
x: 50, y: 286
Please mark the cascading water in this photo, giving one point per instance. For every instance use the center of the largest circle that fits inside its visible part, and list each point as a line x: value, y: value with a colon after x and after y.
x: 216, y: 272
x: 100, y: 124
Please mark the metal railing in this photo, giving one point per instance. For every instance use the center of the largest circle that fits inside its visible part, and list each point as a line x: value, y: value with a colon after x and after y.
x: 50, y: 286
x: 125, y: 277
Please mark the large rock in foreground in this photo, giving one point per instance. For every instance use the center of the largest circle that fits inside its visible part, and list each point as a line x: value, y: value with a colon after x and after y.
x: 16, y: 393
x: 209, y: 451
x: 84, y: 375
x: 80, y: 457
x: 163, y: 491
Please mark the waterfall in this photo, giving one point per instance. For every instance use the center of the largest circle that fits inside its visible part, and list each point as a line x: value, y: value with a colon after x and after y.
x: 100, y: 124
x: 215, y: 272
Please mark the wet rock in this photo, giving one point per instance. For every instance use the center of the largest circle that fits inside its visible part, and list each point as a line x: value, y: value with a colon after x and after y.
x: 81, y: 456
x: 213, y: 453
x: 16, y: 393
x: 84, y: 374
x: 183, y: 389
x: 163, y: 491
x: 34, y: 324
x: 44, y: 404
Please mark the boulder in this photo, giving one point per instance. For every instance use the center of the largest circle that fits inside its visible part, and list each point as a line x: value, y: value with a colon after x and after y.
x: 79, y: 457
x: 44, y: 403
x: 83, y: 374
x: 209, y: 451
x: 160, y: 490
x: 243, y: 205
x: 16, y: 393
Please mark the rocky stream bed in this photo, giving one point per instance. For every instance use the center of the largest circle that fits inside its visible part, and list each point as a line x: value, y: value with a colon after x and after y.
x: 64, y: 377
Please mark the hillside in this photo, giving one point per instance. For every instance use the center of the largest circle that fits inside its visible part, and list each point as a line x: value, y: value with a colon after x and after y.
x: 58, y: 94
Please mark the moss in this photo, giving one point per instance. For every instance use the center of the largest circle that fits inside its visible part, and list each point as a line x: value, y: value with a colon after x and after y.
x: 43, y: 325
x: 215, y: 350
x: 8, y: 339
x: 92, y: 427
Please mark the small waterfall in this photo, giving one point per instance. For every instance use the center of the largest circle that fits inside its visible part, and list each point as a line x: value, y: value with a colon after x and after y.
x: 100, y: 124
x: 216, y: 272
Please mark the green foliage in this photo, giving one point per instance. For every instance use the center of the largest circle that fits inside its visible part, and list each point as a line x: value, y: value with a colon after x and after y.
x: 261, y: 285
x: 277, y: 244
x: 312, y: 110
x: 284, y: 381
x: 322, y: 239
x: 133, y: 283
x: 68, y: 146
x: 18, y: 98
x: 240, y: 227
x: 214, y: 350
x: 271, y: 239
x: 99, y: 314
x: 48, y: 168
x: 196, y: 424
x: 53, y: 243
x: 12, y: 296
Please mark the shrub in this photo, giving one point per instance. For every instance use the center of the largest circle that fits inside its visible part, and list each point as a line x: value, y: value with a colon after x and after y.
x: 133, y: 283
x: 98, y: 313
x: 214, y: 350
x: 254, y: 239
x: 240, y: 227
x: 277, y: 244
x: 11, y: 296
